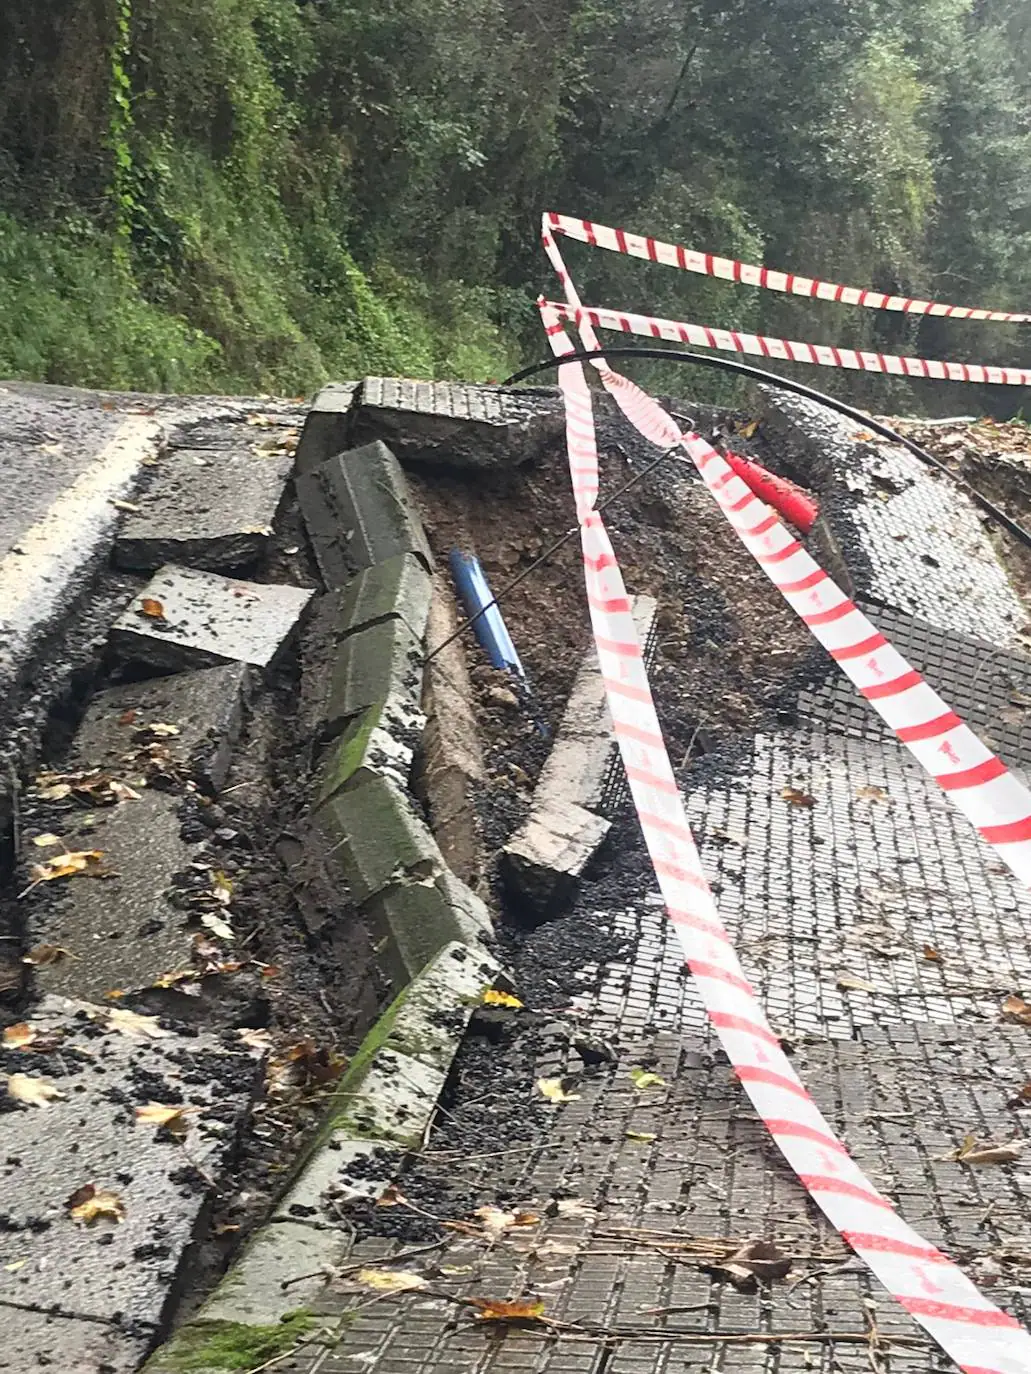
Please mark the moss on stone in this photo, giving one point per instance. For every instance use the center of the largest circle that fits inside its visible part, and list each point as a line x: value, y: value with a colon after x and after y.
x: 220, y: 1345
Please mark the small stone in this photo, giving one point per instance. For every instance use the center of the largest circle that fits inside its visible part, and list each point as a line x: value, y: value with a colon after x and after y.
x: 501, y: 696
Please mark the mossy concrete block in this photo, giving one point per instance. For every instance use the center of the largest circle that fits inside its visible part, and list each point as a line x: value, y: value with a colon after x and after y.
x: 398, y: 587
x: 379, y: 664
x: 209, y: 1346
x: 327, y: 425
x: 252, y: 1291
x: 374, y: 838
x: 359, y: 512
x: 416, y: 919
x: 341, y: 1169
x: 379, y: 741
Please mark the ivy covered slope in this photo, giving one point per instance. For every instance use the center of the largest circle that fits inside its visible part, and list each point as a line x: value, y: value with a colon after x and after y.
x: 258, y: 194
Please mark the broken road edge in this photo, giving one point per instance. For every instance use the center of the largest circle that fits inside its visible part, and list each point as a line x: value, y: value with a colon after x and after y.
x: 385, y: 1102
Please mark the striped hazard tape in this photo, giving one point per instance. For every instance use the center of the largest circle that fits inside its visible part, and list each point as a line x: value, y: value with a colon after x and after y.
x: 980, y: 1337
x: 729, y: 269
x: 790, y: 350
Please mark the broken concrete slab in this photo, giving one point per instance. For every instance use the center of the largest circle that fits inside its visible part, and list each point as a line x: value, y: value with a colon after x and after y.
x: 450, y: 760
x: 359, y: 511
x: 185, y: 618
x: 544, y: 861
x: 210, y: 508
x: 383, y: 1103
x: 123, y: 931
x: 326, y: 427
x: 44, y: 1340
x: 374, y: 837
x: 123, y: 1273
x: 204, y: 707
x: 458, y: 425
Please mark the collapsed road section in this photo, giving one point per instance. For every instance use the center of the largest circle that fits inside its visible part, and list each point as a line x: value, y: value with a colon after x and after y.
x: 334, y: 956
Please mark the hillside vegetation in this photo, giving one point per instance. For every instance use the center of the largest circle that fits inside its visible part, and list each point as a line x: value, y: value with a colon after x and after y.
x: 259, y: 194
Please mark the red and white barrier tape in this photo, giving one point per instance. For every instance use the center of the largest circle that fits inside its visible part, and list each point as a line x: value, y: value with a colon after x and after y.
x: 729, y: 269
x: 790, y: 350
x: 978, y: 1335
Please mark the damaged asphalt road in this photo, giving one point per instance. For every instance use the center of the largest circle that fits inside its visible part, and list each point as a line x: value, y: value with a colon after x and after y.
x: 332, y: 971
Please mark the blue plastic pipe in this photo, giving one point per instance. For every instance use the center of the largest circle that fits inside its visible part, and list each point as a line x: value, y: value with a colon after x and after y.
x: 490, y: 628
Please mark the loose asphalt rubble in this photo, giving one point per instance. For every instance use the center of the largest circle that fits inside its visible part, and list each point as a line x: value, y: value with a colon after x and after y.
x: 300, y: 857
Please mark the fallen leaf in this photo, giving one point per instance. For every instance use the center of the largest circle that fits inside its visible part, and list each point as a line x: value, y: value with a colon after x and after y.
x: 871, y: 793
x: 795, y: 797
x: 932, y: 955
x: 127, y: 718
x: 1016, y: 1009
x: 121, y: 791
x: 643, y: 1079
x: 255, y: 1039
x: 113, y: 994
x: 645, y: 1137
x: 127, y: 505
x: 391, y: 1196
x: 496, y: 1222
x: 493, y: 998
x: 47, y: 841
x: 552, y: 1089
x: 488, y: 1310
x: 862, y: 437
x: 36, y: 1092
x: 763, y: 1259
x: 172, y: 1119
x: 15, y: 1265
x: 19, y: 1036
x: 161, y: 730
x: 574, y: 1207
x: 89, y: 1203
x: 1023, y: 1098
x: 849, y: 984
x: 748, y: 431
x: 179, y: 975
x: 151, y: 608
x: 389, y: 1280
x: 222, y: 887
x: 135, y: 1026
x: 970, y: 1152
x: 42, y: 956
x: 217, y: 926
x: 85, y: 861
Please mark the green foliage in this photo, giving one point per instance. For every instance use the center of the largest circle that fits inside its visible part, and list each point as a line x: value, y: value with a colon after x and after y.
x: 259, y: 194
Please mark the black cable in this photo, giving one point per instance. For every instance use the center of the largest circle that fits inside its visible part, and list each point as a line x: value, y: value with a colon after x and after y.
x: 679, y: 355
x: 550, y: 552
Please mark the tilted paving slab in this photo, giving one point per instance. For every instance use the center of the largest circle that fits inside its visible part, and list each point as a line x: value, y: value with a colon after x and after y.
x: 911, y: 537
x: 207, y: 619
x: 414, y: 920
x: 125, y: 1274
x: 327, y: 425
x: 207, y: 508
x: 204, y: 706
x: 126, y: 931
x: 458, y: 425
x: 359, y: 511
x: 374, y: 837
x: 577, y: 788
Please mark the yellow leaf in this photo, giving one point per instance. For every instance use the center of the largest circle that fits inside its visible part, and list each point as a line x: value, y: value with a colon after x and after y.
x: 871, y: 793
x: 15, y: 1265
x: 489, y: 1310
x: 932, y: 955
x: 178, y: 975
x: 67, y: 865
x: 493, y: 998
x: 136, y: 1027
x: 748, y: 431
x: 151, y: 608
x: 113, y: 994
x: 89, y: 1203
x: 173, y: 1119
x: 47, y: 841
x: 863, y: 437
x: 795, y: 797
x: 972, y: 1153
x: 389, y: 1280
x: 19, y: 1036
x: 552, y: 1089
x: 162, y: 731
x: 42, y: 956
x: 645, y: 1137
x: 642, y: 1079
x: 36, y: 1092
